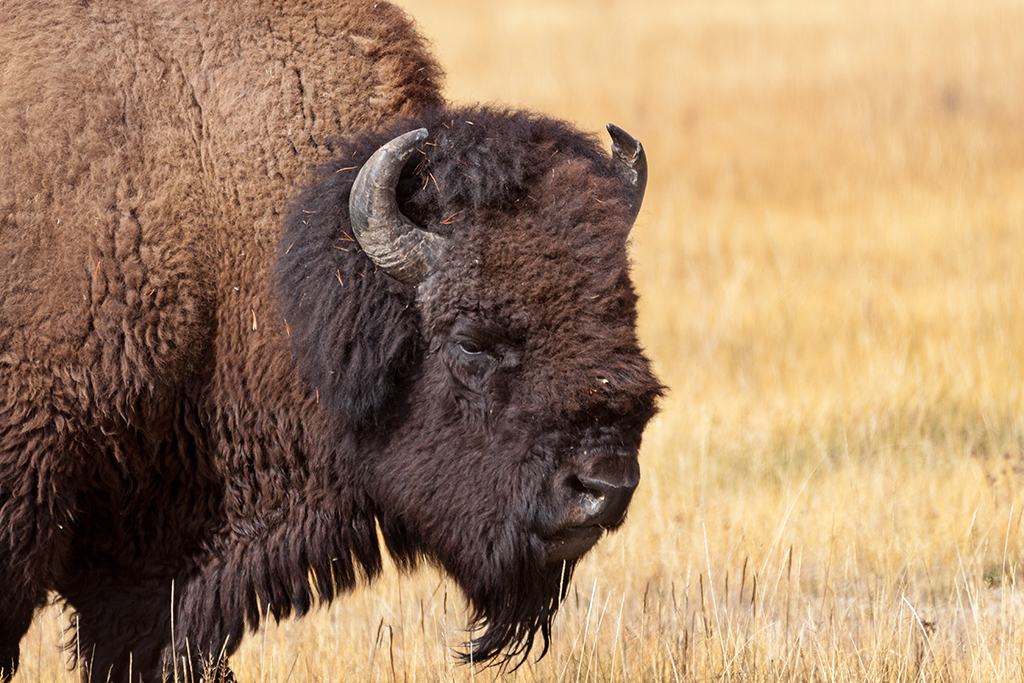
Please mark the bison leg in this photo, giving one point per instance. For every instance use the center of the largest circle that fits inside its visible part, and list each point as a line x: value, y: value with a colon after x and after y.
x: 16, y: 610
x: 203, y: 641
x: 34, y: 536
x: 122, y: 625
x: 126, y: 633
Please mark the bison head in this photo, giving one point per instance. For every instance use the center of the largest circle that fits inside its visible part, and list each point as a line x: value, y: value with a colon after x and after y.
x: 461, y: 300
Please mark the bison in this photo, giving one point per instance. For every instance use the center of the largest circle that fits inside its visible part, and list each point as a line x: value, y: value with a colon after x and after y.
x: 266, y: 298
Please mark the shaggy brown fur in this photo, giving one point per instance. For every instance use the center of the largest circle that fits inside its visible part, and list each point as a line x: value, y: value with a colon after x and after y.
x: 204, y: 411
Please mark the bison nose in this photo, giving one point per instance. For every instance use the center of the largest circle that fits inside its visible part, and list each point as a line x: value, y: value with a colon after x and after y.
x: 596, y: 498
x: 602, y: 501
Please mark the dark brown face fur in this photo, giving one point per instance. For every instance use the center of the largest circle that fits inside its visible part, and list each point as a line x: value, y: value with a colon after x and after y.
x: 512, y: 443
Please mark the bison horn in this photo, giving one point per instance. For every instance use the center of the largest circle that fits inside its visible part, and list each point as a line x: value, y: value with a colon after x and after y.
x: 631, y: 161
x: 394, y: 243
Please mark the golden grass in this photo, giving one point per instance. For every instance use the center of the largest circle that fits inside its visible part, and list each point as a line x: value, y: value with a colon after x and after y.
x: 830, y: 263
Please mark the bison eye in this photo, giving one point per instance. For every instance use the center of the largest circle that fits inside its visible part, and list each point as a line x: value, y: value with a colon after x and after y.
x: 470, y: 347
x: 479, y: 347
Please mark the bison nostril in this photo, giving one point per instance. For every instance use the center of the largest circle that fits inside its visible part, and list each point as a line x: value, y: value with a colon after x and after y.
x: 600, y: 502
x: 586, y: 488
x: 587, y: 500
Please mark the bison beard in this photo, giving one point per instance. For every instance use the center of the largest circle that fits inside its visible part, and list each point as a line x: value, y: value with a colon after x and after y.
x: 513, y: 615
x: 511, y: 603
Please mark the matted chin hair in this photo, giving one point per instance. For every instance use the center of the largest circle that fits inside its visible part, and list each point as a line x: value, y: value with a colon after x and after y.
x: 514, y: 614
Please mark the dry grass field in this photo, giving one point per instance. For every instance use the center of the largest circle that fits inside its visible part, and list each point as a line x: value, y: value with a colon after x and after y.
x: 830, y: 264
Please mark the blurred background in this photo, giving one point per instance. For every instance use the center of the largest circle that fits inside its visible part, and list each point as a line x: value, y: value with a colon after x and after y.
x: 829, y: 262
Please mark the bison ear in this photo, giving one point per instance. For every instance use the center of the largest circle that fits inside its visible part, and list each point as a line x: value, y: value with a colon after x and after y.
x: 354, y: 332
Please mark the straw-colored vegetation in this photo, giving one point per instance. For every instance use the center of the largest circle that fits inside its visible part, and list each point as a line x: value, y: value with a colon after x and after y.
x: 830, y: 264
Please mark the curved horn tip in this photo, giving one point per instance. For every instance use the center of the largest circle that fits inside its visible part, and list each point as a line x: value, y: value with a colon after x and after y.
x: 418, y: 135
x: 624, y: 146
x: 406, y: 142
x: 617, y: 133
